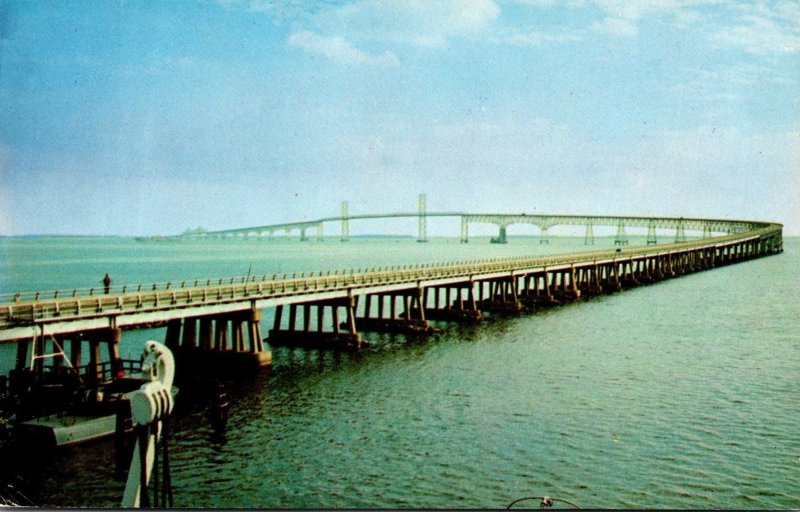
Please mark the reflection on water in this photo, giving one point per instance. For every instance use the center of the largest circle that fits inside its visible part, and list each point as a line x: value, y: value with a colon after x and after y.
x: 678, y: 395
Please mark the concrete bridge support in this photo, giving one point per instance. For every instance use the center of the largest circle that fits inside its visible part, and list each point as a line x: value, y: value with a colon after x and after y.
x: 319, y: 230
x: 501, y: 236
x: 410, y: 319
x: 566, y: 285
x: 588, y: 238
x: 423, y: 235
x: 544, y: 235
x: 651, y: 234
x: 589, y: 280
x: 464, y: 230
x: 228, y: 342
x: 621, y: 238
x: 451, y: 302
x: 610, y: 278
x: 304, y: 336
x: 680, y: 234
x: 499, y: 295
x: 538, y: 289
x: 345, y: 222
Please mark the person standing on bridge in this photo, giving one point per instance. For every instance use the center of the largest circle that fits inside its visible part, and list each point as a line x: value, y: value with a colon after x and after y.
x: 107, y: 283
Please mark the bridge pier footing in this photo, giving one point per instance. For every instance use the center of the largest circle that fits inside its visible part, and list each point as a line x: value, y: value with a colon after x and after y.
x: 449, y: 303
x: 410, y: 320
x: 499, y: 296
x: 305, y: 337
x: 229, y: 342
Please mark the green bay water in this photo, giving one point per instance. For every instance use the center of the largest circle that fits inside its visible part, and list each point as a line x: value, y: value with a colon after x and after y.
x: 681, y: 394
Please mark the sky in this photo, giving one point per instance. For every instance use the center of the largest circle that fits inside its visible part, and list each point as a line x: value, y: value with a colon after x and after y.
x: 150, y: 117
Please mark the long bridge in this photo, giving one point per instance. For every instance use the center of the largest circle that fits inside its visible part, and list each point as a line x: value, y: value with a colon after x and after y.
x: 501, y: 220
x: 219, y: 321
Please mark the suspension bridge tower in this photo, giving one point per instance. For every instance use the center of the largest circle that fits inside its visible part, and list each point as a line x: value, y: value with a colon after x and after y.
x: 423, y: 236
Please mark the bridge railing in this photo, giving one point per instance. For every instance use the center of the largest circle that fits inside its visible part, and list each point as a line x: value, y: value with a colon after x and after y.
x: 169, y: 295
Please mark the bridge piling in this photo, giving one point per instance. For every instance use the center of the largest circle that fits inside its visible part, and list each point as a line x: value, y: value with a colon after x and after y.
x: 411, y: 319
x: 454, y: 309
x: 319, y: 338
x: 220, y: 342
x: 503, y: 296
x: 218, y: 318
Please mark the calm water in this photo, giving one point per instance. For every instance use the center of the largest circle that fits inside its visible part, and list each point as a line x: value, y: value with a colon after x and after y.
x: 683, y: 394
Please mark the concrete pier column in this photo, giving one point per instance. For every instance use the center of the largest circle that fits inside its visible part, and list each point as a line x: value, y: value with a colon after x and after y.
x: 173, y: 337
x: 588, y: 238
x: 472, y: 305
x: 514, y: 290
x: 237, y: 333
x: 547, y: 277
x: 351, y: 317
x: 254, y: 331
x: 464, y: 230
x: 423, y: 235
x: 189, y: 337
x: 420, y: 299
x: 621, y: 237
x: 576, y: 293
x: 114, y: 337
x: 651, y: 234
x: 544, y: 235
x: 206, y: 333
x: 345, y: 222
x: 680, y: 235
x: 501, y: 236
x: 221, y: 334
x: 95, y: 371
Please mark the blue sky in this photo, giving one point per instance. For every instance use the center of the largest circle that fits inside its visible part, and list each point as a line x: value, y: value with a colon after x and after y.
x: 150, y: 117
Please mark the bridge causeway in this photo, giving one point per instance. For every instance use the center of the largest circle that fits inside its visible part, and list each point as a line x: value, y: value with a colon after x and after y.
x: 221, y: 321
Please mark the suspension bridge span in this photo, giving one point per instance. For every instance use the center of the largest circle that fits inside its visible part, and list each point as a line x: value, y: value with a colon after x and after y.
x: 220, y: 320
x: 314, y: 229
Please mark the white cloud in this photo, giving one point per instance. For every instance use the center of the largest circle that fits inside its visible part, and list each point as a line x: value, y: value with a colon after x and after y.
x: 539, y: 38
x: 340, y: 50
x: 760, y: 35
x: 417, y: 22
x: 616, y: 27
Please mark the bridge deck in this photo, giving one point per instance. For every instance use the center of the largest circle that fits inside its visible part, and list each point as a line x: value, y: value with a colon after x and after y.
x: 21, y: 319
